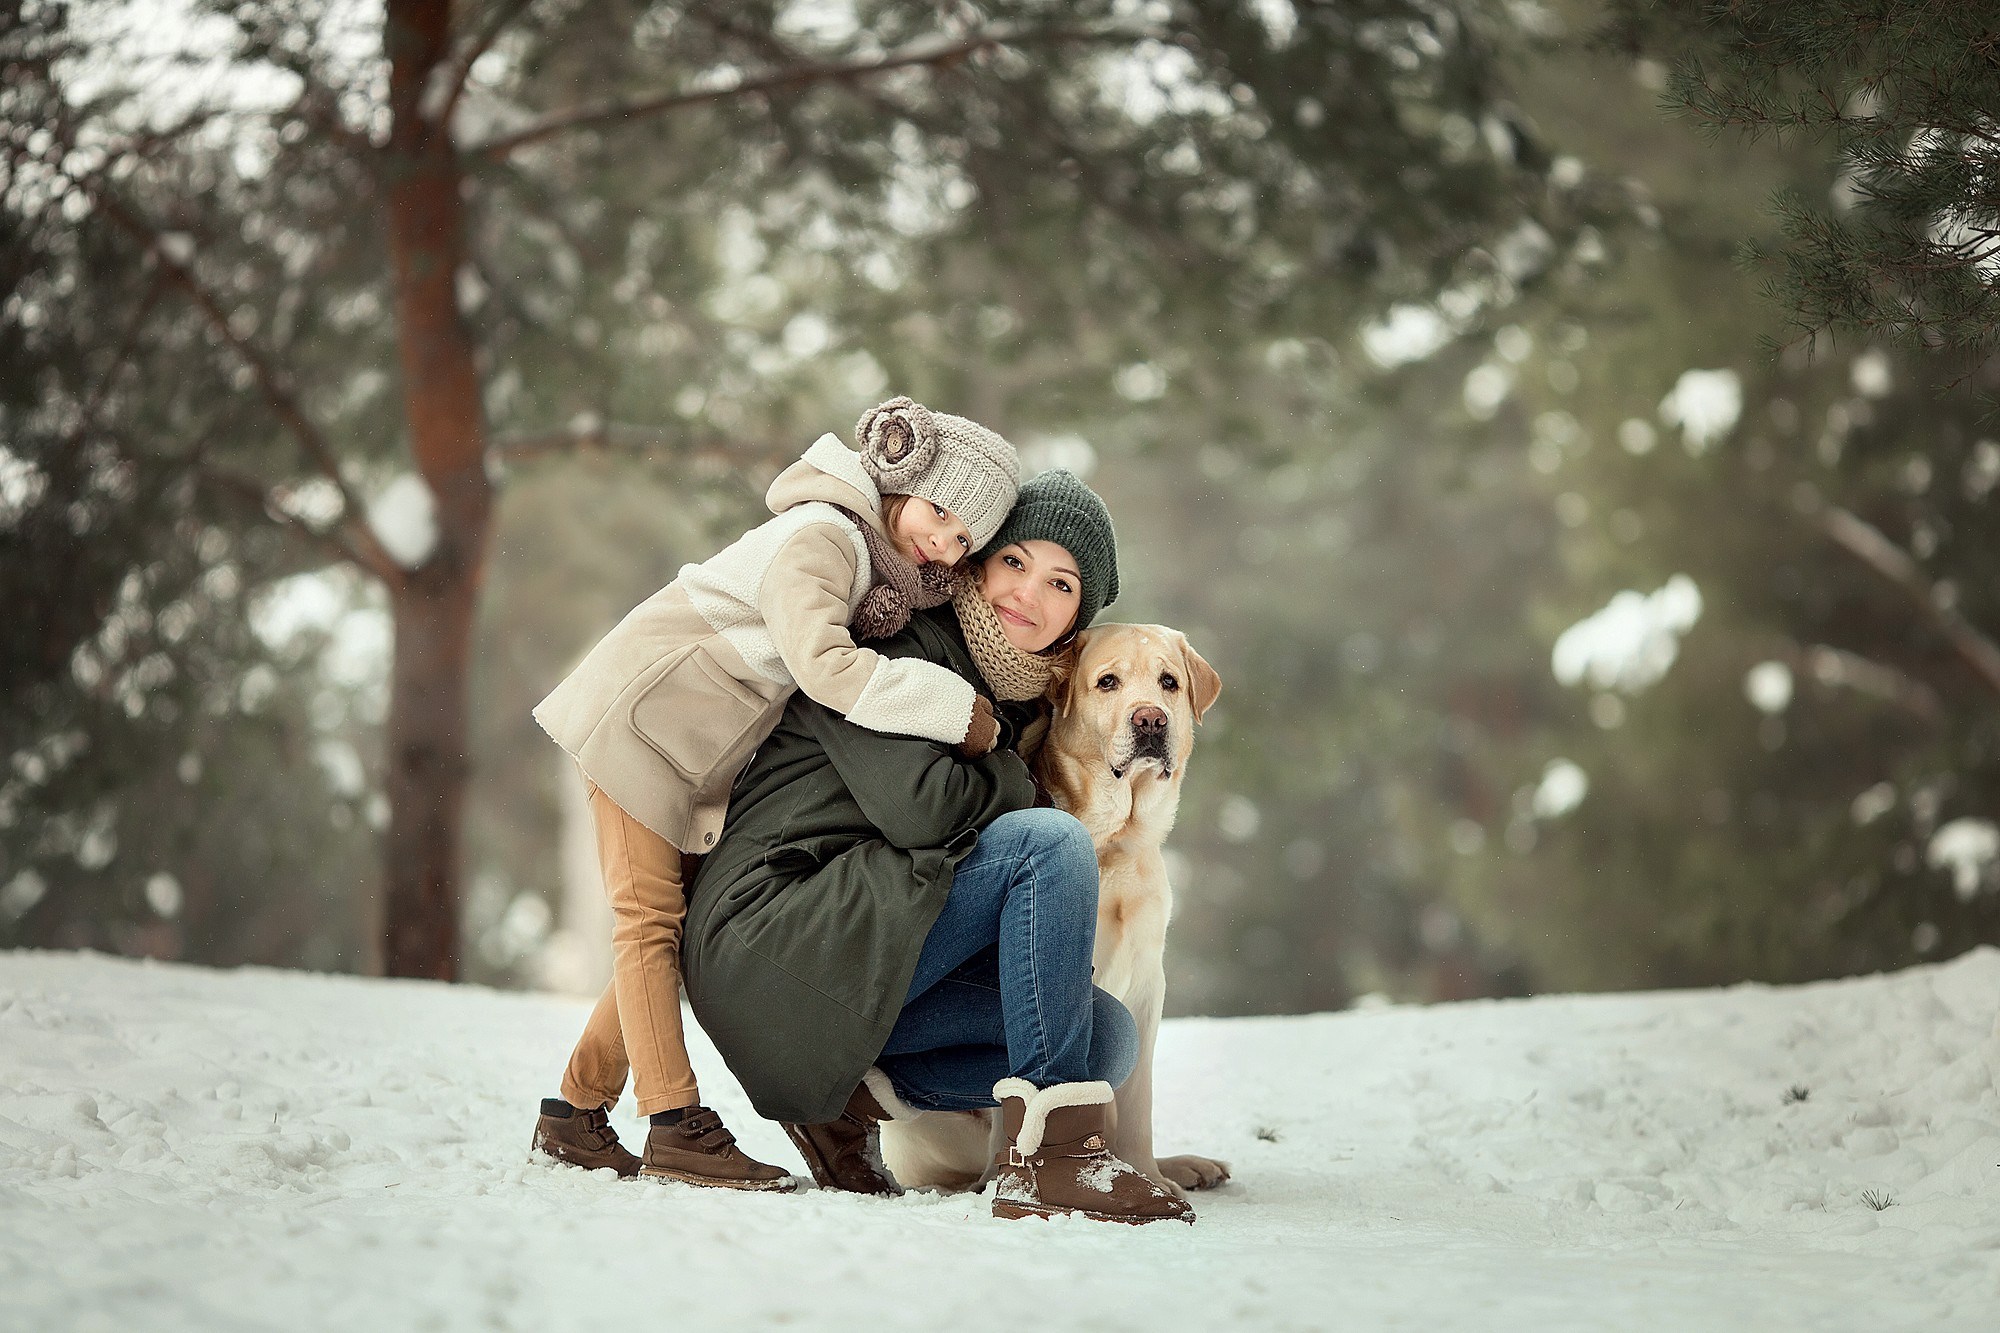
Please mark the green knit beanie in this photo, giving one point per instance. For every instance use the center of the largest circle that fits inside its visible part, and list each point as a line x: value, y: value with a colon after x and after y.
x: 1057, y: 507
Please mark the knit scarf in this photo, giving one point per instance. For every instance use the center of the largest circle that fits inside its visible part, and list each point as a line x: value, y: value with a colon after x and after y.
x: 1014, y: 675
x: 898, y: 585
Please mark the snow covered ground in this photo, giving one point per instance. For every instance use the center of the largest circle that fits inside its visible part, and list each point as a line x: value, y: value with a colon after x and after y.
x: 188, y: 1149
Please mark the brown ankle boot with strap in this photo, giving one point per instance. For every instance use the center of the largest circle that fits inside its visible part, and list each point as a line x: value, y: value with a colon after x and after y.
x: 699, y: 1150
x: 846, y: 1154
x: 582, y: 1137
x: 1057, y: 1160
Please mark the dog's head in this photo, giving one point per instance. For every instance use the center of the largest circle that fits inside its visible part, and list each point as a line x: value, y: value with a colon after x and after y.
x: 1138, y: 691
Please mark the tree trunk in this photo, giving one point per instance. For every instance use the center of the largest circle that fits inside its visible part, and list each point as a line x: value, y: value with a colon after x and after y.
x: 429, y: 768
x: 428, y: 743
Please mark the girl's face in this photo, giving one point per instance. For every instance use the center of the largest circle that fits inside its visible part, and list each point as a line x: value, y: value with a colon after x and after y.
x: 927, y: 532
x: 1035, y: 589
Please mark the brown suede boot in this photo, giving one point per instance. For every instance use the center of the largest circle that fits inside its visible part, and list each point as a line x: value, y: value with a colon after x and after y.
x: 1057, y: 1160
x: 846, y: 1154
x: 582, y: 1138
x: 698, y: 1150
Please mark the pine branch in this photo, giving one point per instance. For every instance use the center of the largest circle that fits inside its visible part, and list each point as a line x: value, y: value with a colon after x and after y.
x: 119, y: 356
x: 1840, y: 669
x: 932, y: 56
x: 1873, y: 548
x: 252, y: 493
x: 501, y: 13
x: 590, y: 433
x: 365, y: 548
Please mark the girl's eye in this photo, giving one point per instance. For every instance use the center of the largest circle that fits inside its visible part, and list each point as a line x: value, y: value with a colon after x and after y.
x: 937, y: 509
x: 1060, y: 585
x: 964, y: 544
x: 1168, y: 683
x: 1107, y: 681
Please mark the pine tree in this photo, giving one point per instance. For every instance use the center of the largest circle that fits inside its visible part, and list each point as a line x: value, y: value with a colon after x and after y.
x: 1905, y: 91
x: 469, y: 233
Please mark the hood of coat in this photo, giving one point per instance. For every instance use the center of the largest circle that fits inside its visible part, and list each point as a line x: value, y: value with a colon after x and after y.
x: 830, y: 472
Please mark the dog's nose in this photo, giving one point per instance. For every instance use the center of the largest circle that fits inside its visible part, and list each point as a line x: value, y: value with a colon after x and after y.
x: 1148, y: 720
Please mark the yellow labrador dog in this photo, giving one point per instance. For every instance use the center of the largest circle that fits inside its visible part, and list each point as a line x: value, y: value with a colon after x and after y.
x: 1116, y: 752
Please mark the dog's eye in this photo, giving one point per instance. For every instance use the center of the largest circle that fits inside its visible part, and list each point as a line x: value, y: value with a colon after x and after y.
x: 1107, y: 681
x: 1168, y: 683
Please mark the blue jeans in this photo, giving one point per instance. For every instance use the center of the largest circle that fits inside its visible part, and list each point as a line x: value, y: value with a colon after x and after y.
x: 1002, y: 986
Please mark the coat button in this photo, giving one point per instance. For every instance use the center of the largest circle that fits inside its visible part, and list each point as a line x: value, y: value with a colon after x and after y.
x: 708, y: 839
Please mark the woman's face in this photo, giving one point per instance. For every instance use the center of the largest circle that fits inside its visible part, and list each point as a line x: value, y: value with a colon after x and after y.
x: 926, y: 531
x: 1034, y: 588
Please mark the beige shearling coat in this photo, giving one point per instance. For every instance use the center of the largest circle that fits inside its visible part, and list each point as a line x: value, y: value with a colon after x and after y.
x: 668, y: 707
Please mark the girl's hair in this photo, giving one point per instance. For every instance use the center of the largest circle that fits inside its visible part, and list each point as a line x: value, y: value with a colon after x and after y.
x: 892, y: 509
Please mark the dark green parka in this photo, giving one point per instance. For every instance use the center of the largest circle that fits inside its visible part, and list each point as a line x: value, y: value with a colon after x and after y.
x: 805, y: 923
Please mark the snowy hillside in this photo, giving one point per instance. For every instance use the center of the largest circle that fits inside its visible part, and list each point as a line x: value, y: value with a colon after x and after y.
x: 185, y: 1149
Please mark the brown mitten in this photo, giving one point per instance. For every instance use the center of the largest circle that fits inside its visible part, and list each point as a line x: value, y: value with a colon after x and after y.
x: 982, y: 731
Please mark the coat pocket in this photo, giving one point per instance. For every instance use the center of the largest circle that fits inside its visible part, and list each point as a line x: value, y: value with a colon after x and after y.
x: 701, y: 719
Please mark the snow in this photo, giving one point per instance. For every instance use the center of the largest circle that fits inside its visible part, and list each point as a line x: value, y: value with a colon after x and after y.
x: 1768, y: 687
x: 1406, y: 334
x: 1706, y: 405
x: 1967, y: 847
x: 21, y: 485
x: 1870, y: 374
x: 404, y: 517
x: 1630, y: 642
x: 1563, y: 786
x: 183, y: 1149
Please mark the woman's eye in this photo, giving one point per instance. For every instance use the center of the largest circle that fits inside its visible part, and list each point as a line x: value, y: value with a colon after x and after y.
x: 1013, y: 561
x: 1169, y: 684
x: 1107, y: 682
x: 1060, y: 585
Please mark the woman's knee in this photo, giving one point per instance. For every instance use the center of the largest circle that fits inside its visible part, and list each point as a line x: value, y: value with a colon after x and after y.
x: 1114, y: 1039
x: 1054, y: 837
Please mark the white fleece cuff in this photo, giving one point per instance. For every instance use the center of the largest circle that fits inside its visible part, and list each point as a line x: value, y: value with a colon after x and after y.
x: 1040, y: 1102
x: 884, y: 1092
x: 906, y: 696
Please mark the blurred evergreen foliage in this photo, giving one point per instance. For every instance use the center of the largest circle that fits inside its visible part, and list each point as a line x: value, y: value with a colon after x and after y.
x: 1175, y: 263
x: 162, y: 792
x: 1073, y: 192
x: 1902, y: 94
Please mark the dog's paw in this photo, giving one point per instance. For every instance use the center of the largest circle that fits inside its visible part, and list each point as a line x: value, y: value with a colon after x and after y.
x: 1194, y: 1173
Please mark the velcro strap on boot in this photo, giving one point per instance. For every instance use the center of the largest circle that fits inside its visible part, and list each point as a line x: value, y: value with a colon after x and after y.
x: 1091, y: 1145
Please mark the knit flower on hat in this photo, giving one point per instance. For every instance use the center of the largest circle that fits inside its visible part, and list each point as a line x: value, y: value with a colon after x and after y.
x: 898, y: 440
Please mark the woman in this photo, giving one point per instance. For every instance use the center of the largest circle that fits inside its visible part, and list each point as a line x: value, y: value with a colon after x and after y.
x: 886, y: 927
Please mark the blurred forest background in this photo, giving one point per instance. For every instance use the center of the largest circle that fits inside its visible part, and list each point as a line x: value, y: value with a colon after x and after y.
x: 1590, y: 616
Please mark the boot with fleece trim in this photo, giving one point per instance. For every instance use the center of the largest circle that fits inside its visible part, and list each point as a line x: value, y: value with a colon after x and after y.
x: 1056, y: 1159
x: 846, y: 1154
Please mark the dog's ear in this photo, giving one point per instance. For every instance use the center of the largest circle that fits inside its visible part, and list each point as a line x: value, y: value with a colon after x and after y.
x: 1203, y: 682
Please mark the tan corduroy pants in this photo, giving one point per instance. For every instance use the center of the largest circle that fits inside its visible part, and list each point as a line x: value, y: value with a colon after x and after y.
x: 636, y: 1025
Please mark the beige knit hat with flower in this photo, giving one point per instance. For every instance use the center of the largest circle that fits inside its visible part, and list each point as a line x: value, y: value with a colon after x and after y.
x: 910, y: 450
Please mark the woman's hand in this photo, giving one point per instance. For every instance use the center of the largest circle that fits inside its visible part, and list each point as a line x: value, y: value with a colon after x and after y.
x: 982, y: 731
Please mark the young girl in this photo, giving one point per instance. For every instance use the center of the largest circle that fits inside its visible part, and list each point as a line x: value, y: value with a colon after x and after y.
x: 665, y: 711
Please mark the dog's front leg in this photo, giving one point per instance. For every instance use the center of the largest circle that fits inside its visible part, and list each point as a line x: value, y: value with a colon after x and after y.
x: 1132, y: 1106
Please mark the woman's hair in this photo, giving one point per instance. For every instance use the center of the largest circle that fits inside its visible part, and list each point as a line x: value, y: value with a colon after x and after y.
x: 1062, y: 657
